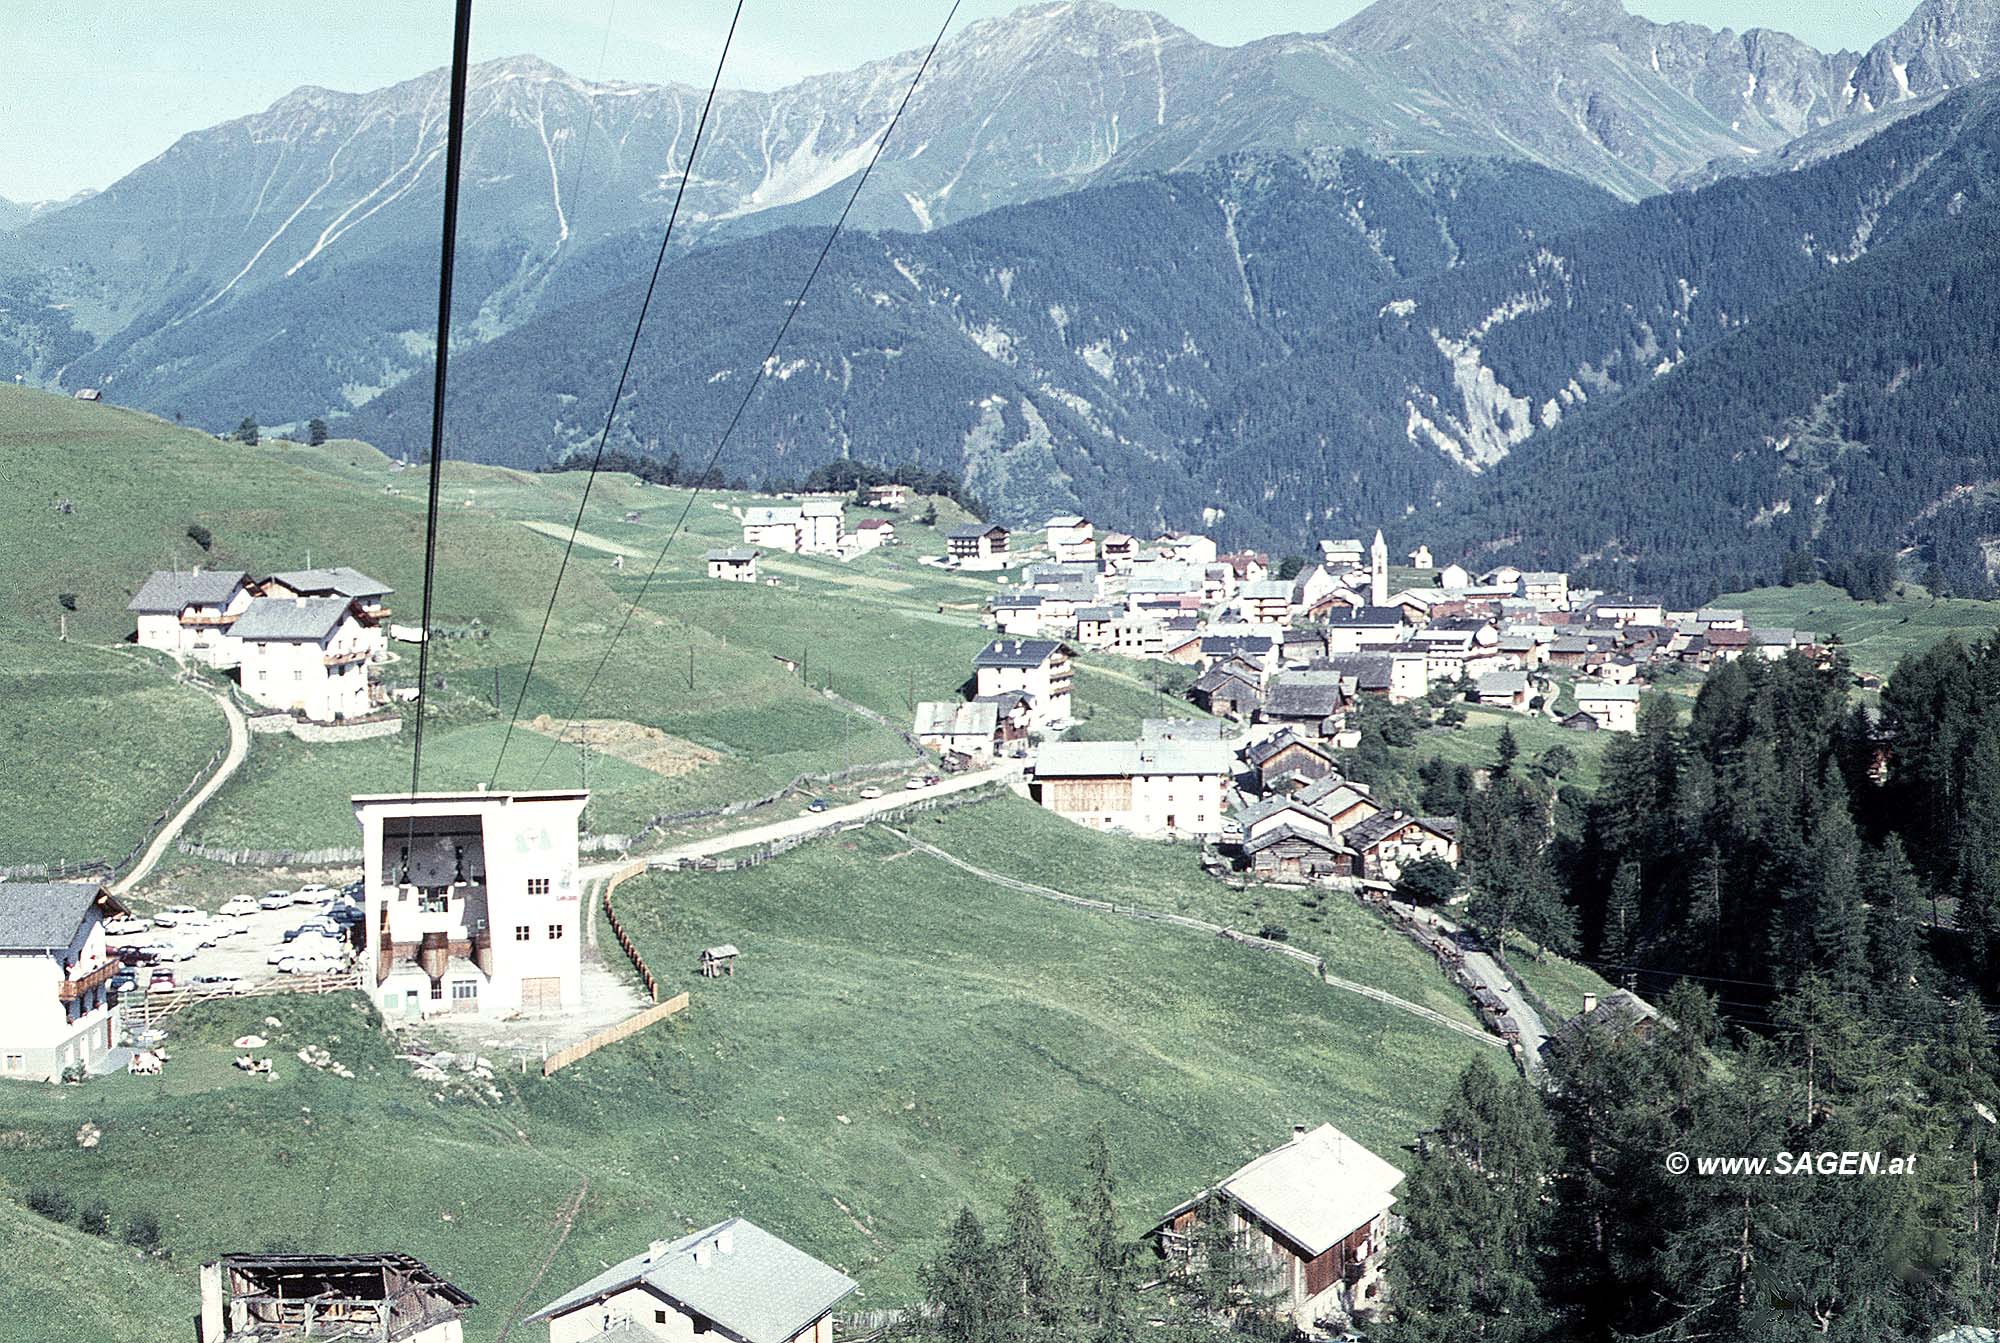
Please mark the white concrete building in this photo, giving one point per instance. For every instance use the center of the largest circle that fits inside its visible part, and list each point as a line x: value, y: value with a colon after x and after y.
x: 1151, y: 788
x: 1615, y: 707
x: 55, y: 976
x: 1547, y: 589
x: 822, y: 527
x: 189, y: 614
x: 1071, y: 538
x: 472, y: 901
x: 368, y: 595
x: 305, y: 655
x: 773, y: 528
x: 1039, y: 668
x: 730, y: 1281
x: 732, y: 564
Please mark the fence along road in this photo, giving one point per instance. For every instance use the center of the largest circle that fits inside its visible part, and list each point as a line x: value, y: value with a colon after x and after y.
x: 1317, y: 964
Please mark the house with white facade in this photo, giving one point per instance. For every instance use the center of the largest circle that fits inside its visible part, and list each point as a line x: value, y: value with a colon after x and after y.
x: 369, y: 597
x: 733, y: 1281
x: 1071, y: 538
x: 871, y: 534
x: 773, y: 528
x: 732, y: 564
x: 950, y: 728
x: 1548, y: 590
x: 1151, y: 787
x: 977, y: 545
x: 1615, y: 707
x: 1038, y: 668
x: 55, y: 978
x: 1266, y: 602
x: 822, y: 527
x: 472, y: 902
x: 305, y: 655
x: 189, y: 614
x: 1314, y: 1215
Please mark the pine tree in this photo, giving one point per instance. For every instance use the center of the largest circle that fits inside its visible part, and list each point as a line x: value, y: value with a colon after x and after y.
x: 1505, y: 752
x: 316, y: 432
x: 1031, y: 1269
x: 1105, y: 1266
x: 247, y: 431
x: 1474, y: 1212
x: 963, y: 1283
x: 1621, y: 916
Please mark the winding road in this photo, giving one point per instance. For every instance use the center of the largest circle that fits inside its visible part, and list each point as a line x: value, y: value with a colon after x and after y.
x: 239, y: 746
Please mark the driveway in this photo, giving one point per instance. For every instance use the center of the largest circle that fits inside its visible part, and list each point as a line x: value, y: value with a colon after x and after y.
x: 239, y: 746
x: 853, y: 813
x: 1487, y: 973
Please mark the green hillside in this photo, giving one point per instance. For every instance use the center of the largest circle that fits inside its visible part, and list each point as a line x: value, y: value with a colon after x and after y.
x: 698, y: 663
x: 899, y: 1037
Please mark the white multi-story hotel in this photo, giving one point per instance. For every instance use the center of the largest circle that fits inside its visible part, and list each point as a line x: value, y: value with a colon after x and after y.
x: 55, y: 978
x: 473, y: 901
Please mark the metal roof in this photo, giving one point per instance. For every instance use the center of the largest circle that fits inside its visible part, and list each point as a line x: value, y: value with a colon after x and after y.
x: 169, y: 593
x: 771, y: 517
x: 1602, y: 693
x: 760, y: 1289
x: 1123, y: 759
x: 731, y: 555
x: 43, y: 916
x: 941, y: 718
x: 290, y: 618
x: 1017, y: 653
x: 1316, y: 1190
x: 339, y: 580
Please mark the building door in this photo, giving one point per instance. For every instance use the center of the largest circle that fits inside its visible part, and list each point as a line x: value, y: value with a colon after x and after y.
x: 541, y: 995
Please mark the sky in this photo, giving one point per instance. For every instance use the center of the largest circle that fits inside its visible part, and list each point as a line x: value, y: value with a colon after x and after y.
x: 97, y: 87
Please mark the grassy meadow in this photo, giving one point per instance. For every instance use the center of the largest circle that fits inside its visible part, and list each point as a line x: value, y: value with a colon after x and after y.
x: 1875, y: 634
x: 900, y: 1038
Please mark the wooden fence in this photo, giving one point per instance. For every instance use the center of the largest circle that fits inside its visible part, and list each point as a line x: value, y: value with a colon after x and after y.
x: 764, y: 853
x: 150, y: 1008
x: 105, y: 869
x: 562, y: 1058
x: 625, y: 942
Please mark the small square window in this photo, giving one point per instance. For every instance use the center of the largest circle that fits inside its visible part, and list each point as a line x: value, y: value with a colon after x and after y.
x: 538, y: 885
x: 659, y: 1317
x: 522, y: 932
x: 555, y: 932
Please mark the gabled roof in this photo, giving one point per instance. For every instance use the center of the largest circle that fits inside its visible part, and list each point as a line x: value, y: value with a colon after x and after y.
x: 1621, y: 1013
x: 762, y: 1289
x: 1603, y: 693
x: 1267, y: 589
x: 939, y: 718
x: 1367, y: 617
x: 1222, y: 673
x: 1503, y: 683
x: 973, y: 531
x: 820, y: 508
x: 170, y: 593
x: 771, y: 517
x: 282, y: 618
x: 1280, y: 833
x: 45, y: 916
x: 1277, y: 743
x: 339, y: 581
x: 1315, y: 1190
x: 1017, y: 653
x: 1181, y: 729
x: 1124, y: 759
x: 1272, y: 806
x: 731, y: 555
x: 1222, y: 645
x: 1376, y: 828
x: 1304, y: 695
x: 1370, y: 671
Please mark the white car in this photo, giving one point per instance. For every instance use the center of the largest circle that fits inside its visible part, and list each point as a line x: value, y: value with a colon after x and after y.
x: 125, y: 924
x: 275, y: 900
x: 239, y: 906
x: 870, y: 793
x: 177, y: 951
x: 313, y: 946
x: 175, y: 916
x: 308, y: 965
x: 313, y: 895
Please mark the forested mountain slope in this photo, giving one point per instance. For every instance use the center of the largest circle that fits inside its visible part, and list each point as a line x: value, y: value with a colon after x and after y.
x: 1060, y: 352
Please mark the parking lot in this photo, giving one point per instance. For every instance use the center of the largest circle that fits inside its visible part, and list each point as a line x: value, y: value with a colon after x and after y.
x: 246, y: 954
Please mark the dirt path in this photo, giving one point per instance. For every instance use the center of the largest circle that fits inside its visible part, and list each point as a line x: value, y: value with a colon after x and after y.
x: 239, y: 746
x: 565, y: 1219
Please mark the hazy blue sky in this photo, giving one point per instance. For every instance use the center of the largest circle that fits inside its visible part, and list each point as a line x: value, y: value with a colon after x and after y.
x: 97, y: 87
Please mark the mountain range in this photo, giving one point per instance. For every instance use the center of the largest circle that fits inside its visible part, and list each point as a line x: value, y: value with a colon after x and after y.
x: 1316, y: 278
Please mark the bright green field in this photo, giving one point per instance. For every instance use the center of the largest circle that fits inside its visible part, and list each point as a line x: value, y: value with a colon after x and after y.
x: 1876, y: 635
x: 899, y: 1038
x: 97, y: 744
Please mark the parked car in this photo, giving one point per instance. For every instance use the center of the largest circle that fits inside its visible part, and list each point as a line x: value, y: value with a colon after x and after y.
x: 175, y: 916
x: 217, y: 981
x: 930, y: 779
x: 134, y: 955
x: 163, y: 978
x: 125, y: 923
x: 817, y: 805
x: 312, y: 944
x: 237, y: 906
x: 311, y: 928
x: 177, y: 951
x: 312, y: 895
x: 275, y: 900
x: 913, y: 784
x: 870, y: 793
x: 124, y: 983
x: 347, y: 915
x: 308, y: 965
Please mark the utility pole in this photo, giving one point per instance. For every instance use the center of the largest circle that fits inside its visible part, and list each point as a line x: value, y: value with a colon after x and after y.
x: 690, y: 666
x: 583, y: 759
x: 496, y: 690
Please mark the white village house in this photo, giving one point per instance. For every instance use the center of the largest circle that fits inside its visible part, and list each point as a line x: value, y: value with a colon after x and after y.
x: 1038, y: 668
x: 1148, y: 787
x: 821, y: 527
x: 1615, y: 707
x: 55, y: 976
x: 730, y: 1281
x: 769, y: 528
x: 189, y: 614
x: 305, y: 655
x: 732, y: 564
x: 472, y: 902
x: 951, y: 728
x: 1315, y: 1214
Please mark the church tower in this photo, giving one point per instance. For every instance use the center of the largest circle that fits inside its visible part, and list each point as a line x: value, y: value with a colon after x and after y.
x: 1378, y: 570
